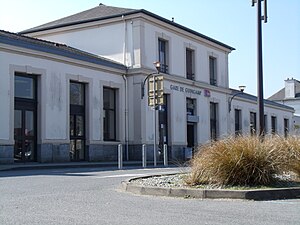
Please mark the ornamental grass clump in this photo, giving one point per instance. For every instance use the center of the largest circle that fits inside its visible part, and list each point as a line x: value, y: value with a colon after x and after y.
x: 237, y: 161
x: 289, y: 148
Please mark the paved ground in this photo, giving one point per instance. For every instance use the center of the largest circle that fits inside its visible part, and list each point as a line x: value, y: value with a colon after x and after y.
x: 91, y: 196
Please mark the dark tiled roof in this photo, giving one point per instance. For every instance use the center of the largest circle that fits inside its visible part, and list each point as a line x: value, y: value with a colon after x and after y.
x: 254, y: 98
x: 280, y: 95
x: 55, y: 48
x: 93, y: 14
x: 103, y: 12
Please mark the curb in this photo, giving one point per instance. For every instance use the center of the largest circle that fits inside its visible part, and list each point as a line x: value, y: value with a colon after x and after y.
x: 257, y: 195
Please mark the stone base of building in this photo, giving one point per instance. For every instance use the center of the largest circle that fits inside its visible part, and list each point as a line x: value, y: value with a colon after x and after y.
x: 6, y: 154
x: 55, y: 153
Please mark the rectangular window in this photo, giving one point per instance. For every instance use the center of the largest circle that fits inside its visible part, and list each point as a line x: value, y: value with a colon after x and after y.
x: 190, y: 106
x: 25, y: 87
x: 266, y: 123
x: 213, y: 70
x: 286, y: 127
x: 238, y: 122
x: 273, y: 124
x: 190, y: 64
x: 109, y: 114
x: 163, y: 55
x: 76, y: 93
x: 252, y: 123
x: 77, y: 121
x: 213, y: 121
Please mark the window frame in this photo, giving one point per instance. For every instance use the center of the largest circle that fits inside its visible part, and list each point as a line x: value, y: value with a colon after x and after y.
x: 190, y: 63
x: 213, y: 121
x: 114, y: 110
x: 163, y: 55
x: 273, y: 125
x: 253, y: 129
x: 238, y: 122
x: 213, y: 73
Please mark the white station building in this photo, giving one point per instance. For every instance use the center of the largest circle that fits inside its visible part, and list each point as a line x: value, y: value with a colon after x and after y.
x: 70, y: 90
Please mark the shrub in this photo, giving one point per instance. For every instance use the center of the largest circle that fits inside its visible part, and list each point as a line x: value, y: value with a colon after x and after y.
x: 244, y: 160
x: 290, y: 149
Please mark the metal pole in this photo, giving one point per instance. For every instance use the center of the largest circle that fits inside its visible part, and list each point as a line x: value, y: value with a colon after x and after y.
x: 260, y: 93
x: 154, y: 122
x: 144, y: 156
x: 165, y: 155
x: 120, y: 156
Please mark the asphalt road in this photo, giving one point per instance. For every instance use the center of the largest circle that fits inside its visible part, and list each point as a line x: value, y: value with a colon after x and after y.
x: 92, y: 196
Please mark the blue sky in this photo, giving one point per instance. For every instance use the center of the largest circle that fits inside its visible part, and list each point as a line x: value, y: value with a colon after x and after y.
x: 232, y: 22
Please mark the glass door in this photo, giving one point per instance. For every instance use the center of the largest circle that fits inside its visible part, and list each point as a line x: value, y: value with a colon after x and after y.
x: 77, y: 121
x: 25, y: 118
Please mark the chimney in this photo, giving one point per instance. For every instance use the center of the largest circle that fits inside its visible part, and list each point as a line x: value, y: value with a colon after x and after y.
x: 291, y: 86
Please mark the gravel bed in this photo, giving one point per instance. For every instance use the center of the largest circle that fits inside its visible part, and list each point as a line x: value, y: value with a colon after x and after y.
x: 177, y: 181
x: 166, y: 181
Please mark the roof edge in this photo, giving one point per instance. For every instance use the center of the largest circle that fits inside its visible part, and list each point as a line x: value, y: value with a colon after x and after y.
x: 32, y: 30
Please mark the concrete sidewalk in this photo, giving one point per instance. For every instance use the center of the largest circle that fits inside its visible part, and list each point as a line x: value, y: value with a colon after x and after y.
x: 36, y: 166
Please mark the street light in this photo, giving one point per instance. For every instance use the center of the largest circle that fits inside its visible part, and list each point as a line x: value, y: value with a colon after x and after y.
x: 242, y: 88
x: 260, y: 93
x: 157, y: 66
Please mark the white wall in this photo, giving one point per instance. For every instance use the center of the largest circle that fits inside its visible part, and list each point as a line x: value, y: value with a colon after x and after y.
x: 105, y: 40
x: 246, y: 107
x: 177, y: 47
x: 53, y: 100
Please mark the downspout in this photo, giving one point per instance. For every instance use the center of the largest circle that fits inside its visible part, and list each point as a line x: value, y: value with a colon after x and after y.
x: 126, y: 89
x: 126, y: 114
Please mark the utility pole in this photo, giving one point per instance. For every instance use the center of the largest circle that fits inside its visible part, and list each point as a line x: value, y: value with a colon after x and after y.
x: 260, y: 90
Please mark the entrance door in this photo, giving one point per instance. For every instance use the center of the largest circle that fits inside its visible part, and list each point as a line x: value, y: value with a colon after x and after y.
x: 25, y: 118
x: 190, y: 135
x: 77, y: 121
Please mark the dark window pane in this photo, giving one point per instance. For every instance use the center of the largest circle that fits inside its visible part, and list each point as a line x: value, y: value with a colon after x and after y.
x: 72, y: 124
x: 190, y: 106
x: 24, y: 87
x: 162, y: 55
x: 212, y: 71
x: 18, y: 123
x: 29, y: 124
x: 190, y: 74
x: 29, y: 150
x: 72, y: 150
x: 18, y: 149
x: 273, y: 124
x: 238, y: 126
x: 213, y: 121
x: 252, y: 123
x: 109, y: 114
x: 79, y: 126
x: 76, y: 93
x: 108, y: 98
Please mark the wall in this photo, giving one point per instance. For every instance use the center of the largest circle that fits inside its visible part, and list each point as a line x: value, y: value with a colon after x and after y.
x: 248, y: 106
x: 54, y: 75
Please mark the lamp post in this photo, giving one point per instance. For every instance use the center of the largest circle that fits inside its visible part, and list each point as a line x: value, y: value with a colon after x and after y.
x: 157, y: 66
x: 242, y: 88
x: 260, y: 92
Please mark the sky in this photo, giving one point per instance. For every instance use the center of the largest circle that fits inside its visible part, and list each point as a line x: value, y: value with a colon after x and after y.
x: 233, y: 22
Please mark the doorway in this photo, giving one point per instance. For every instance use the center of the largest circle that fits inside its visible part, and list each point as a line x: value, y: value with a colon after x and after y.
x: 77, y: 121
x: 25, y: 117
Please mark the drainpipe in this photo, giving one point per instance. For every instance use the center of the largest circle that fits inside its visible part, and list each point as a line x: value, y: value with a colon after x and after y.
x: 126, y: 114
x: 126, y: 87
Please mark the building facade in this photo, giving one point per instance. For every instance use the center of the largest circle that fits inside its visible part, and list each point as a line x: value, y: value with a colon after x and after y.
x: 65, y: 103
x: 290, y: 96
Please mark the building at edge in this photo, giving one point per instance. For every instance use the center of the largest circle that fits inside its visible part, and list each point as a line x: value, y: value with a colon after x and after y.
x: 71, y: 90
